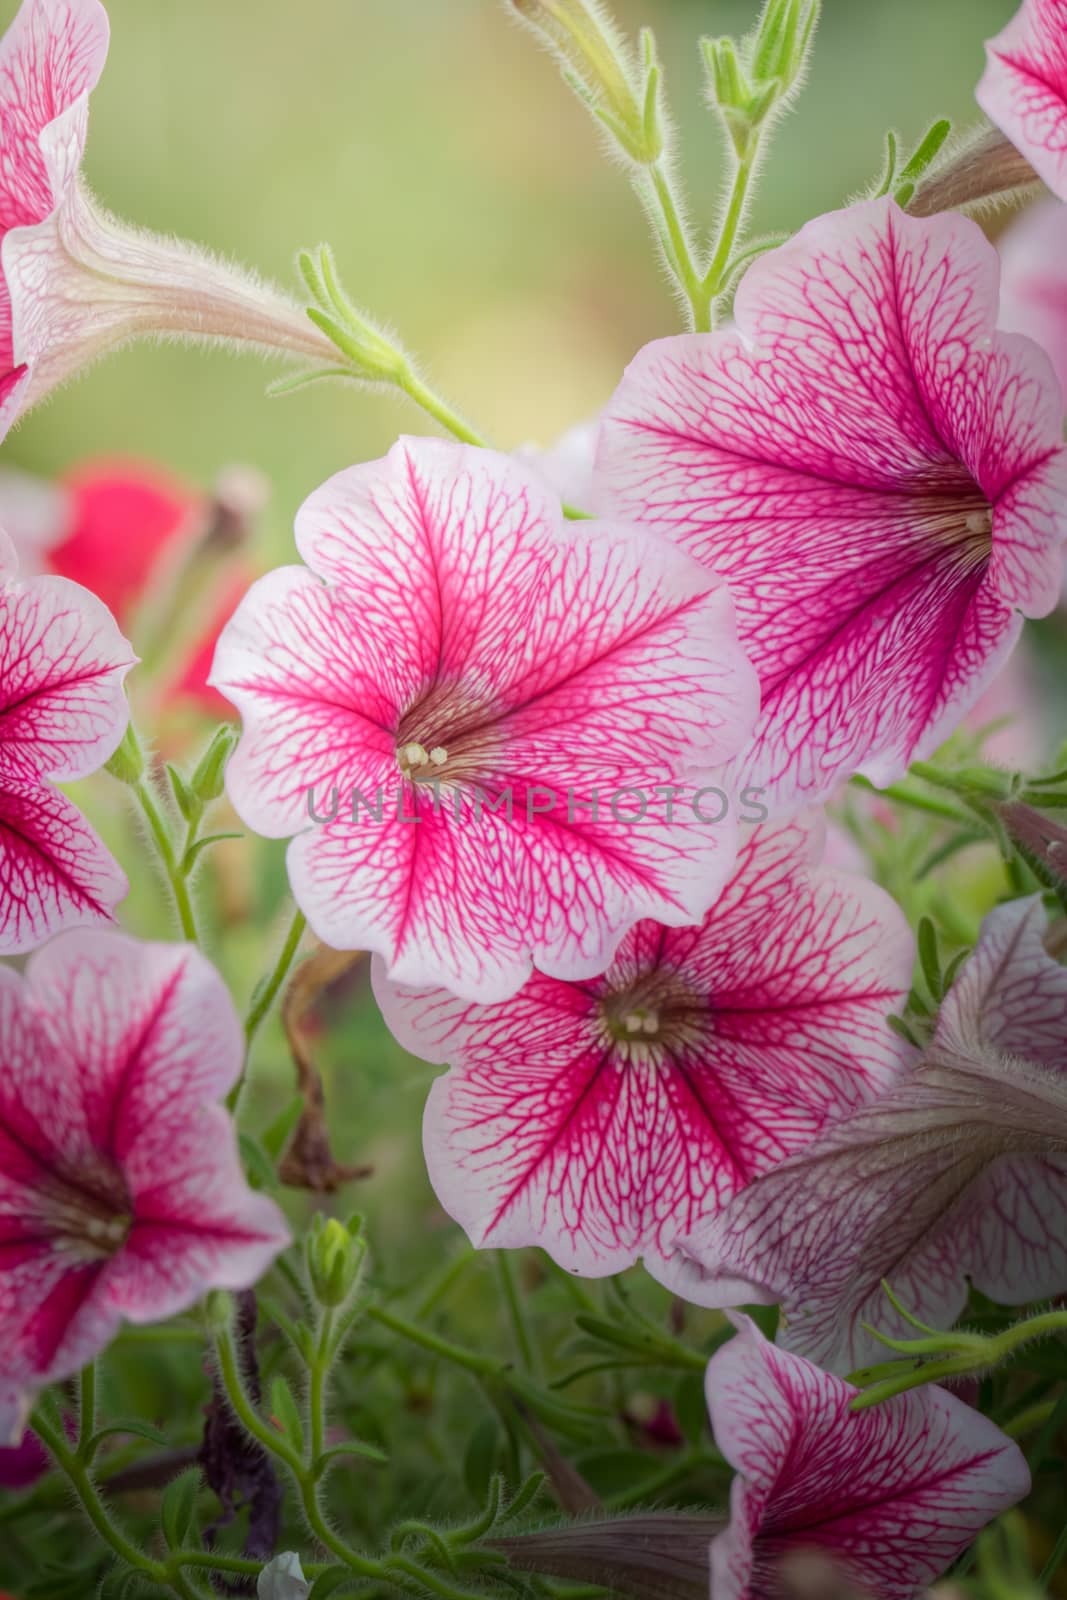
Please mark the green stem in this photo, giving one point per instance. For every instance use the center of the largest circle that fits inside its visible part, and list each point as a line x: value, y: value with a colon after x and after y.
x: 172, y: 867
x: 426, y: 1579
x: 679, y: 252
x: 266, y: 993
x: 516, y: 1311
x: 481, y: 1366
x: 86, y: 1409
x: 264, y: 996
x: 243, y: 1409
x: 731, y: 222
x: 78, y: 1477
x: 320, y: 1371
x: 438, y: 408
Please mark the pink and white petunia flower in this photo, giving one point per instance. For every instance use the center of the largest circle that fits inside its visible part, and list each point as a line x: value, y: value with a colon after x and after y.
x: 121, y: 1190
x: 62, y: 714
x: 892, y: 1494
x: 1024, y: 87
x: 959, y: 1173
x: 603, y: 1120
x: 876, y: 472
x: 1033, y: 282
x: 483, y: 701
x: 74, y: 283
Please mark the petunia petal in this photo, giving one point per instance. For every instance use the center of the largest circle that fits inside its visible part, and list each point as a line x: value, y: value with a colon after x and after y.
x: 893, y: 1493
x: 549, y: 1131
x: 63, y: 663
x: 834, y: 458
x: 1024, y: 87
x: 55, y: 872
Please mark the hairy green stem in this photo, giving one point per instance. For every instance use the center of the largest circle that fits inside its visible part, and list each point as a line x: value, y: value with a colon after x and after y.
x: 480, y: 1366
x: 172, y: 866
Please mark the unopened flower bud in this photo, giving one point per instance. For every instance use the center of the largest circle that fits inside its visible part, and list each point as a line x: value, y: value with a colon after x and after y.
x: 208, y: 778
x: 596, y: 60
x: 127, y: 763
x: 783, y: 39
x: 217, y: 1310
x: 335, y: 1256
x: 657, y: 1556
x: 1041, y: 842
x: 986, y: 169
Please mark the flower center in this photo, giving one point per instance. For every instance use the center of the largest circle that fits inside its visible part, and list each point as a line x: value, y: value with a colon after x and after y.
x: 448, y: 735
x: 963, y: 524
x: 418, y: 763
x: 652, y: 1015
x: 88, y: 1214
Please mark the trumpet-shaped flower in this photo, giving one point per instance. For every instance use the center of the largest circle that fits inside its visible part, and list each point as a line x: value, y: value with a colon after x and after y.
x: 1024, y: 87
x: 121, y: 1191
x: 892, y: 1494
x: 603, y: 1120
x: 74, y: 283
x: 492, y: 698
x: 958, y: 1173
x: 874, y: 469
x: 62, y: 714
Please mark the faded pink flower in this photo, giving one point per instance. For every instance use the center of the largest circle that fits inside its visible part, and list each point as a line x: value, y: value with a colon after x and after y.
x: 958, y: 1173
x: 474, y: 682
x: 892, y: 1494
x: 602, y: 1120
x: 62, y: 714
x: 876, y: 472
x: 121, y: 1191
x: 1024, y: 87
x: 74, y: 283
x: 1033, y: 282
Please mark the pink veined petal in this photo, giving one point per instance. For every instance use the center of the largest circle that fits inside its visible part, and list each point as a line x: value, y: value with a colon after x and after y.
x: 458, y: 557
x: 313, y: 690
x: 537, y: 887
x: 549, y: 1131
x: 835, y: 459
x: 151, y: 1031
x: 953, y: 1175
x: 1033, y: 296
x: 50, y: 59
x: 121, y: 1191
x: 1024, y: 87
x: 55, y: 873
x: 1010, y: 995
x: 198, y: 1223
x: 893, y: 1493
x: 544, y: 665
x: 63, y: 663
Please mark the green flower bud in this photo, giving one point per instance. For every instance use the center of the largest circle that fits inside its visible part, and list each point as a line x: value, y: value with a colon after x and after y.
x: 207, y: 780
x: 127, y: 764
x: 334, y: 1255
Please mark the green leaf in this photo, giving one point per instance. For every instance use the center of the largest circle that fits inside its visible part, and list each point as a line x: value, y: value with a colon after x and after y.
x: 354, y: 1447
x: 889, y: 171
x: 929, y: 958
x: 927, y: 148
x: 287, y: 1413
x: 276, y: 1136
x: 198, y: 846
x: 480, y: 1458
x: 129, y: 1425
x: 611, y: 1471
x: 120, y: 1582
x: 177, y: 1507
x: 259, y: 1170
x: 189, y: 804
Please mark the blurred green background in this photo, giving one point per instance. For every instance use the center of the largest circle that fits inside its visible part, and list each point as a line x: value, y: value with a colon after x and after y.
x: 470, y: 207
